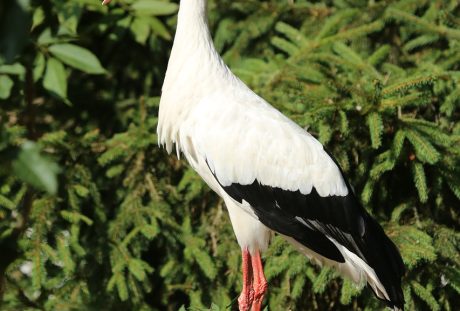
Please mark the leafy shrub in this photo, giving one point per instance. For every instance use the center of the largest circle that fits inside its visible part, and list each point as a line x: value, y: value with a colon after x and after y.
x: 93, y: 215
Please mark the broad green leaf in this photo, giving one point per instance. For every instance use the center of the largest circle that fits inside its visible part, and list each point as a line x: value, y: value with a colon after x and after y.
x: 154, y: 7
x: 38, y: 18
x: 159, y: 28
x: 140, y: 28
x: 5, y: 86
x: 69, y: 15
x: 13, y: 69
x: 46, y: 37
x: 39, y: 66
x: 77, y: 57
x: 55, y: 79
x: 124, y: 22
x: 35, y: 169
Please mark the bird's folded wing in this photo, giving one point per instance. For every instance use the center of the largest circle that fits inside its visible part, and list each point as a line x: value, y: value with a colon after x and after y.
x: 294, y: 187
x: 245, y: 141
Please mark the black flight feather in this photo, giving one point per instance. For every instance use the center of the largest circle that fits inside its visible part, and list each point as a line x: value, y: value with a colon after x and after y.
x: 310, y: 219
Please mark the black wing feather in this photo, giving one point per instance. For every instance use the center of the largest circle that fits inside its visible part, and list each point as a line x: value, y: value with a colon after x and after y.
x: 274, y: 211
x: 309, y: 219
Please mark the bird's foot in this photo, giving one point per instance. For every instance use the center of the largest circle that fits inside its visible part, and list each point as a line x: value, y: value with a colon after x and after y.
x: 246, y: 299
x: 259, y: 292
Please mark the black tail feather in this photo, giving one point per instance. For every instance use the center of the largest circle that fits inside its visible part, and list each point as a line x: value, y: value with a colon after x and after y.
x: 384, y: 257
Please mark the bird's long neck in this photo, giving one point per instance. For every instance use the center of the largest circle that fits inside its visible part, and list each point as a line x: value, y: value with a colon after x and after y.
x: 195, y: 69
x: 192, y: 22
x: 193, y: 51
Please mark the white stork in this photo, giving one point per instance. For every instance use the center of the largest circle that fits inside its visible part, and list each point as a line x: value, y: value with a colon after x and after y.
x: 271, y: 173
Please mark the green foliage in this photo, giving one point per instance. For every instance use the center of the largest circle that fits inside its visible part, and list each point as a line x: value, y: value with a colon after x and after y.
x: 77, y: 57
x: 93, y: 215
x: 32, y: 168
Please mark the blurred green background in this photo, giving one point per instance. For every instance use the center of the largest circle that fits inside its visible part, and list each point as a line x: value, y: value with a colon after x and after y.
x: 94, y: 216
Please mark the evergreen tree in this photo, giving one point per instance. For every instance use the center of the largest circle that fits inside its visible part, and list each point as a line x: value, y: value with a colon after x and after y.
x: 94, y: 216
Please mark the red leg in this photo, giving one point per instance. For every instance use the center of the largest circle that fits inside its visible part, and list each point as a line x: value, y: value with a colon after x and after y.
x: 247, y: 294
x: 260, y: 283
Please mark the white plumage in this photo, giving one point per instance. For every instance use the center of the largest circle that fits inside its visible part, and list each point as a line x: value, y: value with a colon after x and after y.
x: 247, y: 151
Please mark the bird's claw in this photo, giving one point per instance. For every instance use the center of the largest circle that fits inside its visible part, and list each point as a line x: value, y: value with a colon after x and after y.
x: 259, y: 293
x: 245, y: 300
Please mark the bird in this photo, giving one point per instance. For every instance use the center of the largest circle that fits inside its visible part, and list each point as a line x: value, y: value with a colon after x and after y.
x: 271, y: 173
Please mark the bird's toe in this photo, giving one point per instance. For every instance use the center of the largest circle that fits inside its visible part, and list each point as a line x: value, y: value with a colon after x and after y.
x: 259, y: 292
x: 245, y: 300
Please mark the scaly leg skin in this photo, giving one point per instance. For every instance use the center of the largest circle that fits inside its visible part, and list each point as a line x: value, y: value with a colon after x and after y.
x: 247, y: 294
x: 260, y: 283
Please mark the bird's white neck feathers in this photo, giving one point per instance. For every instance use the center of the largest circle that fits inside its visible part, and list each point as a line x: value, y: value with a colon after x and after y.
x: 195, y: 69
